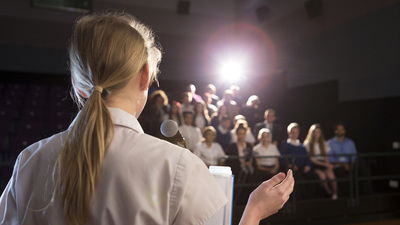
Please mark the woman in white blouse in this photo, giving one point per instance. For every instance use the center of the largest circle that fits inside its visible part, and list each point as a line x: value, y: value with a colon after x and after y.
x: 318, y: 150
x: 104, y: 169
x: 209, y: 151
x: 266, y: 167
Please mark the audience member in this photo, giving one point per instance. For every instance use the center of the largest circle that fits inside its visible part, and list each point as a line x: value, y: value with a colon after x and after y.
x: 242, y: 149
x: 175, y: 113
x: 343, y: 149
x: 318, y: 150
x: 192, y: 89
x: 222, y: 111
x: 269, y: 122
x: 237, y: 97
x: 191, y: 134
x: 342, y: 154
x: 293, y: 146
x: 201, y: 118
x: 252, y: 111
x: 266, y: 167
x: 300, y: 162
x: 186, y: 102
x: 209, y: 151
x: 240, y: 120
x: 231, y: 106
x: 223, y: 132
x: 154, y: 113
x: 213, y: 92
x: 212, y: 109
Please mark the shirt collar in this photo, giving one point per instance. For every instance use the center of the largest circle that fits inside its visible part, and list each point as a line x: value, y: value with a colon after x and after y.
x: 295, y: 143
x: 120, y: 118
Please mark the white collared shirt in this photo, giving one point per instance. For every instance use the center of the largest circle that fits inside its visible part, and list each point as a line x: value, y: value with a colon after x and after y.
x: 272, y: 150
x: 293, y: 142
x: 144, y: 180
x: 210, y: 155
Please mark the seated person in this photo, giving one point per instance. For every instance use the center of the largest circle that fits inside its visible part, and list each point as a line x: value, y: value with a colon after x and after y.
x: 342, y: 155
x: 200, y: 117
x: 240, y: 119
x: 231, y: 106
x: 175, y: 113
x: 242, y: 149
x: 224, y: 132
x: 270, y: 123
x: 210, y: 89
x: 191, y: 134
x: 186, y: 104
x: 298, y: 160
x: 216, y: 118
x: 209, y: 151
x: 266, y: 167
x: 252, y: 111
x: 212, y: 109
x: 339, y: 146
x: 318, y: 149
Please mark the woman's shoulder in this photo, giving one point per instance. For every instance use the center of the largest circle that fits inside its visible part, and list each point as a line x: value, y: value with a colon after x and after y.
x: 46, y: 148
x: 257, y: 146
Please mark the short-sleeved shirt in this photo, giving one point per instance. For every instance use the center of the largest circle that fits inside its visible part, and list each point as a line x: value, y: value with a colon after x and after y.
x: 210, y: 155
x: 144, y: 180
x: 260, y: 150
x: 341, y: 152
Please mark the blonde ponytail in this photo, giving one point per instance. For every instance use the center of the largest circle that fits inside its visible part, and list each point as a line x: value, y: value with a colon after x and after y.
x: 106, y: 52
x: 82, y: 156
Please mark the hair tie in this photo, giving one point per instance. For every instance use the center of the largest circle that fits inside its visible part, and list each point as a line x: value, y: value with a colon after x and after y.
x: 98, y: 88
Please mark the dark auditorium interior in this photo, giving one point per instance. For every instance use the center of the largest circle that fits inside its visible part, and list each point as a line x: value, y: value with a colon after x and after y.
x: 313, y: 61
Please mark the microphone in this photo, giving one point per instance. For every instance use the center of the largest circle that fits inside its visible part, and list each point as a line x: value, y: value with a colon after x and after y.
x: 169, y: 129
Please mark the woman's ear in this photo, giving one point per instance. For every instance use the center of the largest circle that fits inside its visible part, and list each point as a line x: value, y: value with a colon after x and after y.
x: 144, y: 77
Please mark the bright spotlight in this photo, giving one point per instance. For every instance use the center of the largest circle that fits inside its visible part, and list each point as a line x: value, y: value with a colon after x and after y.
x: 232, y: 71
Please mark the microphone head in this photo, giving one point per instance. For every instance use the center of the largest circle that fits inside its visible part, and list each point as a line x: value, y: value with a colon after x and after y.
x: 169, y: 128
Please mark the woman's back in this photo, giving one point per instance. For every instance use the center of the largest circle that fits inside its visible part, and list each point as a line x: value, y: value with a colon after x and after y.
x: 144, y: 180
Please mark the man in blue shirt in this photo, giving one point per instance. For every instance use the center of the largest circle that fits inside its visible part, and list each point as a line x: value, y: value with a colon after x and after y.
x: 340, y: 145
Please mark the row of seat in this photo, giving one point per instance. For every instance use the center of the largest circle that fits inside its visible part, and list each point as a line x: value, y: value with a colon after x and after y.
x: 30, y: 112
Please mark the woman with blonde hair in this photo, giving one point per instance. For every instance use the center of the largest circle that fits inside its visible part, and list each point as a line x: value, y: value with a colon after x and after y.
x: 318, y: 150
x: 104, y: 169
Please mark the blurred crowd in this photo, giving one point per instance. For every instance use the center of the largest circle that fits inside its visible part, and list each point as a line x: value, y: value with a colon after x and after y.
x: 228, y: 130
